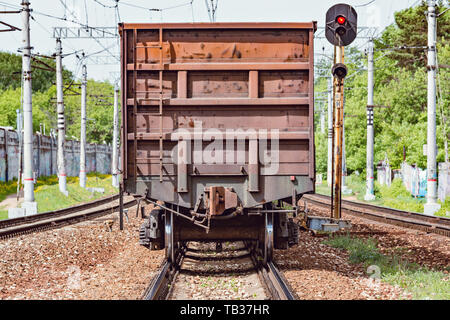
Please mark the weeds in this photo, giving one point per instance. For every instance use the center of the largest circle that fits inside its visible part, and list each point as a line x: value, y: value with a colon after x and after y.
x: 421, y: 282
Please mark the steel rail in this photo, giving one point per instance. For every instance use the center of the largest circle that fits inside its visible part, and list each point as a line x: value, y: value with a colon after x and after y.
x: 57, y: 219
x: 406, y: 219
x: 28, y: 219
x: 271, y: 277
x: 159, y: 287
x: 161, y: 284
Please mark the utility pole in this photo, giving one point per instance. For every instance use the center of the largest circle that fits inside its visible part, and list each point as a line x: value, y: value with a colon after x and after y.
x: 62, y: 176
x: 322, y: 117
x: 432, y: 205
x: 115, y: 155
x: 19, y: 134
x: 330, y: 131
x: 370, y: 196
x: 345, y: 189
x: 83, y: 128
x: 29, y: 204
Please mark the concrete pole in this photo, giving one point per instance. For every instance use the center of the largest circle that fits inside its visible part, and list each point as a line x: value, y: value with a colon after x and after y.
x: 322, y: 117
x: 115, y: 155
x: 83, y: 129
x: 330, y: 131
x: 370, y: 196
x: 431, y: 206
x: 345, y: 189
x: 61, y: 121
x: 19, y: 134
x: 28, y: 178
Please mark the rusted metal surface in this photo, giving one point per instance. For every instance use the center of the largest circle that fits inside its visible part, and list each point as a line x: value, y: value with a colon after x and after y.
x: 219, y: 199
x: 221, y: 76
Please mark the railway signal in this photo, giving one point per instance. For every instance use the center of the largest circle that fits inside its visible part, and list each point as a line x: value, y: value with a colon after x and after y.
x: 340, y: 31
x: 341, y: 25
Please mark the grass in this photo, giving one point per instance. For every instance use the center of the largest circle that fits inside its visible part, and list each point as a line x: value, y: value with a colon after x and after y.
x: 395, y: 196
x: 49, y: 198
x: 422, y: 283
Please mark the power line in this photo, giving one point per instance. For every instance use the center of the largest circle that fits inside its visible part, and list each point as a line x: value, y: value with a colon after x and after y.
x: 106, y: 6
x: 96, y: 40
x: 61, y: 18
x: 366, y: 4
x: 151, y: 9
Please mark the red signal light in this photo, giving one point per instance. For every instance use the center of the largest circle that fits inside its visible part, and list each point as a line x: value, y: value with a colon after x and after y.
x: 341, y: 20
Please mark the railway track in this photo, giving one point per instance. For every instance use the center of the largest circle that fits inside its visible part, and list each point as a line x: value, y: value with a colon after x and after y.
x: 56, y: 219
x: 164, y: 285
x: 406, y: 219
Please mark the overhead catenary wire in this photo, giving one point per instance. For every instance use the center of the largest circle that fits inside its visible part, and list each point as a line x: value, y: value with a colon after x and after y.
x: 57, y: 18
x: 366, y: 4
x: 120, y: 2
x: 106, y: 6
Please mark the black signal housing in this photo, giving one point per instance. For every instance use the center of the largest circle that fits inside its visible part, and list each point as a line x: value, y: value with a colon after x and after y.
x: 341, y: 26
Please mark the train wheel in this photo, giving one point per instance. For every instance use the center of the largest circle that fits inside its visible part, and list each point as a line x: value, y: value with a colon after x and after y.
x: 268, y: 238
x: 170, y: 246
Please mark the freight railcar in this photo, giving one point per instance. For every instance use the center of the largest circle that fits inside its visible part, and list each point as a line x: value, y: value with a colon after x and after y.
x: 218, y: 129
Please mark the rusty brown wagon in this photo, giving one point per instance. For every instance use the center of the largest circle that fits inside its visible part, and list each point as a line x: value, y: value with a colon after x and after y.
x: 218, y: 129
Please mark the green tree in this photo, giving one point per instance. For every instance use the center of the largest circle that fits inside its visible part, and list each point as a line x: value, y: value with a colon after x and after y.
x: 11, y: 69
x: 411, y: 30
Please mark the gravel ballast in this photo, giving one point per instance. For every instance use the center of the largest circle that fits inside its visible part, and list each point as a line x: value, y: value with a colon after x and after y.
x: 83, y: 261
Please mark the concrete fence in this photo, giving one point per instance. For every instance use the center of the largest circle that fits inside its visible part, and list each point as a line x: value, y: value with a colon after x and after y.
x: 98, y: 157
x: 415, y: 180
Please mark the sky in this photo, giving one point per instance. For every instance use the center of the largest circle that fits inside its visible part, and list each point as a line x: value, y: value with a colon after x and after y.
x: 373, y: 13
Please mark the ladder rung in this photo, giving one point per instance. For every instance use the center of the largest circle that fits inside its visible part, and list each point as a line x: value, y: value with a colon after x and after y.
x: 152, y: 99
x: 151, y: 47
x: 150, y: 113
x: 159, y: 92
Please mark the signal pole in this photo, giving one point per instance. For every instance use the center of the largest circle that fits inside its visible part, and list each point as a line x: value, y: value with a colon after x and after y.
x: 370, y: 196
x: 115, y: 155
x: 62, y: 176
x: 83, y: 128
x: 432, y: 205
x: 338, y: 135
x: 29, y: 204
x: 330, y: 131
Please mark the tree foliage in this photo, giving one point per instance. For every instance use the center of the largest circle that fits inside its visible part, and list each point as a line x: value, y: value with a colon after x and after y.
x: 11, y: 69
x: 411, y: 30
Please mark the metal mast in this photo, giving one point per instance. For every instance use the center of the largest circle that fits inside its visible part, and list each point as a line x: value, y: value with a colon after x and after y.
x: 338, y: 137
